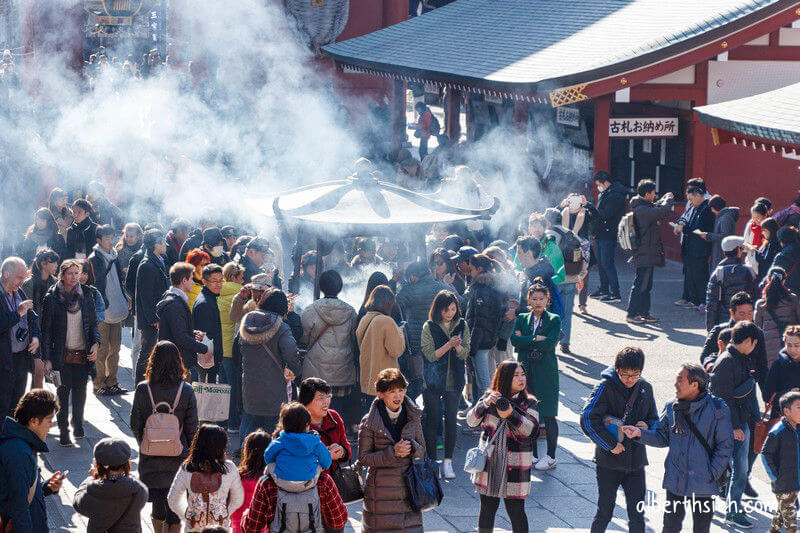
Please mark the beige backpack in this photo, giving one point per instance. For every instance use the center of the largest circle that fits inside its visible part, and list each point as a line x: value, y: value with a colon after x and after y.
x: 162, y: 431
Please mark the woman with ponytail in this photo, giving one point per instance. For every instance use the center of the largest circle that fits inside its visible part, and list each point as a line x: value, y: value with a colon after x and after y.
x: 777, y: 309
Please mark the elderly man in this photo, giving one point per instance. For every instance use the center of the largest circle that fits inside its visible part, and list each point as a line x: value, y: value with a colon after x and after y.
x: 256, y: 256
x: 19, y: 335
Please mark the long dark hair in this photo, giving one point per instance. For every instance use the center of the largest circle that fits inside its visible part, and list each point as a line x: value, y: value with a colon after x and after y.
x: 442, y: 254
x: 165, y: 366
x: 44, y: 214
x: 375, y: 279
x: 775, y: 290
x: 207, y: 453
x: 503, y: 377
x: 252, y: 464
x: 771, y: 225
x: 51, y: 202
x: 88, y: 268
x: 440, y: 303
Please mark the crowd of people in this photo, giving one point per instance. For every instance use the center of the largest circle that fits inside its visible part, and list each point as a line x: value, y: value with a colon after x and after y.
x: 472, y: 330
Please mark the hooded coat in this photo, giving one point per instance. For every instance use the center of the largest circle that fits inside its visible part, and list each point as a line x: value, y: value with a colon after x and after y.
x: 386, y: 508
x: 724, y: 225
x: 787, y: 311
x: 688, y: 469
x: 297, y: 455
x: 332, y: 356
x: 19, y: 471
x: 263, y: 384
x: 111, y: 505
x: 649, y: 251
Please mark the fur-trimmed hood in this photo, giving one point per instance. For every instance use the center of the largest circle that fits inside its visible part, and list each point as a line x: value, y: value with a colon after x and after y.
x: 259, y: 326
x: 484, y: 278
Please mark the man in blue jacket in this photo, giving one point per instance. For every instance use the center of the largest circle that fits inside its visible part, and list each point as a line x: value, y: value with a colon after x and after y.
x: 624, y: 395
x: 22, y: 490
x: 690, y: 471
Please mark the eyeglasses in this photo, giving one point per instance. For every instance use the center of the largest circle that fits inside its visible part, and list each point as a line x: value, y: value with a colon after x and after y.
x: 324, y: 398
x: 629, y: 376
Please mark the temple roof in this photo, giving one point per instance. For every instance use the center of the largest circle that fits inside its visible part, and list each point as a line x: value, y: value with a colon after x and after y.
x: 773, y: 115
x: 541, y: 45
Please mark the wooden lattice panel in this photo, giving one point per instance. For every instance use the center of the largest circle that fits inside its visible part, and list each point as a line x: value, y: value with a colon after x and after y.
x: 568, y: 95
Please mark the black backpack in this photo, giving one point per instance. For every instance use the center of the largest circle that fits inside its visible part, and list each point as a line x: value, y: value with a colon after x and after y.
x: 570, y: 246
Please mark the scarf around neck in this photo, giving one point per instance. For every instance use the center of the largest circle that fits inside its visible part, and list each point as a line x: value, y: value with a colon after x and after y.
x: 71, y: 300
x: 681, y: 410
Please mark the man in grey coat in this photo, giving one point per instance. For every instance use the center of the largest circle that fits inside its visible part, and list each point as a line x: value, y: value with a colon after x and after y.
x: 415, y: 300
x: 724, y: 225
x: 690, y: 471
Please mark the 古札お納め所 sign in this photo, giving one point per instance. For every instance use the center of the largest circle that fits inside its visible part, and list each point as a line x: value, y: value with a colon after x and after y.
x: 643, y: 127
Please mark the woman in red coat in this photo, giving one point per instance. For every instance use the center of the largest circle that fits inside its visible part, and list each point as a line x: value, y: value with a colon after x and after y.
x: 315, y: 395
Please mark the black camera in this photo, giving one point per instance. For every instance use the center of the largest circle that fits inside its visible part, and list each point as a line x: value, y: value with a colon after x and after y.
x: 502, y: 403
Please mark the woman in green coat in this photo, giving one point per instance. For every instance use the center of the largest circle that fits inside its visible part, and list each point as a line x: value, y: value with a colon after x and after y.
x: 535, y: 337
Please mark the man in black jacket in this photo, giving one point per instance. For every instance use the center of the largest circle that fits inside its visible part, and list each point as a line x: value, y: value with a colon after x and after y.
x: 81, y: 235
x: 151, y: 283
x: 728, y: 278
x: 194, y: 240
x: 695, y: 250
x: 733, y: 381
x: 782, y: 462
x: 175, y: 318
x: 606, y: 217
x: 627, y: 397
x: 205, y: 314
x: 255, y: 256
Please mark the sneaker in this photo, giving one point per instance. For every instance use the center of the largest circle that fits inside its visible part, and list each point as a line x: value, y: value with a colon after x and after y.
x: 545, y: 463
x: 749, y: 491
x: 635, y: 319
x: 681, y: 302
x: 102, y: 391
x: 565, y: 348
x: 115, y: 390
x: 65, y: 441
x: 598, y: 293
x: 611, y: 299
x: 447, y: 468
x: 649, y: 318
x: 739, y: 520
x: 582, y: 309
x: 78, y: 433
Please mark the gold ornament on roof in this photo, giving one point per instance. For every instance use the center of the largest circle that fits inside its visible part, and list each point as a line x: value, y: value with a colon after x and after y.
x: 568, y: 95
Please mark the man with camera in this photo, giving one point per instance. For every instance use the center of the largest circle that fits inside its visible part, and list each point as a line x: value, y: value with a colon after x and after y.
x: 621, y: 398
x: 19, y: 334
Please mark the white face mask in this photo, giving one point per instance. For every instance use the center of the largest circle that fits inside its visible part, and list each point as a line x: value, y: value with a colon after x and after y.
x: 217, y: 251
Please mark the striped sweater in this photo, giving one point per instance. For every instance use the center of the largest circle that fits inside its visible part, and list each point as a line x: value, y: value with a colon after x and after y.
x: 508, y: 469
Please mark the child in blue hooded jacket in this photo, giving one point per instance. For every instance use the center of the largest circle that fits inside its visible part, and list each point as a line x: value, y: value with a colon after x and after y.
x: 296, y: 455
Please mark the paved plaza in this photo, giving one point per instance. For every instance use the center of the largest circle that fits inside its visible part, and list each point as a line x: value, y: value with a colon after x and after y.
x: 562, y: 499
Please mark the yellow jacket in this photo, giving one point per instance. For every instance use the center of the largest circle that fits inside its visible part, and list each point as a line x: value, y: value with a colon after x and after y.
x: 197, y: 286
x: 224, y: 302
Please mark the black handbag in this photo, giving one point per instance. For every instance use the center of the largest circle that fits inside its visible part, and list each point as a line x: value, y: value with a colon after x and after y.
x: 349, y: 483
x: 422, y: 481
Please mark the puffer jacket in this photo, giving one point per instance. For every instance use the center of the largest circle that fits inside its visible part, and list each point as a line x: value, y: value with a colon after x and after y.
x: 789, y: 260
x: 263, y: 384
x: 783, y: 376
x: 724, y: 225
x: 730, y: 376
x: 781, y: 457
x: 787, y: 311
x: 111, y: 505
x: 415, y: 301
x: 649, y: 251
x: 485, y: 309
x: 332, y: 356
x: 610, y: 397
x: 728, y: 278
x: 224, y: 303
x: 154, y: 471
x: 688, y: 469
x: 386, y: 508
x: 54, y: 325
x: 609, y: 211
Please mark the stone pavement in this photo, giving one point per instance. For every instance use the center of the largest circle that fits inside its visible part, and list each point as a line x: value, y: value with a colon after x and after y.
x: 562, y: 499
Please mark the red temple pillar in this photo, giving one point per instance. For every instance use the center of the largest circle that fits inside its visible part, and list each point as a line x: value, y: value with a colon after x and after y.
x: 452, y: 114
x: 394, y: 11
x: 398, y: 114
x: 602, y: 148
x: 698, y: 132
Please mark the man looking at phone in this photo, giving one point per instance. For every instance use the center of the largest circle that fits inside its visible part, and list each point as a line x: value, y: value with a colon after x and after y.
x: 19, y: 334
x: 22, y: 490
x: 622, y: 397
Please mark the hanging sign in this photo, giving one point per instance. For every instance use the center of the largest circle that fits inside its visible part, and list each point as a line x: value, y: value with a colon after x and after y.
x: 643, y: 127
x: 568, y: 116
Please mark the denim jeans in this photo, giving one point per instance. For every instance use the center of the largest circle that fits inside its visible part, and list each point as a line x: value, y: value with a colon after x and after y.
x: 251, y: 423
x: 739, y: 471
x: 639, y: 301
x: 568, y: 291
x: 480, y: 368
x: 605, y: 265
x: 233, y: 376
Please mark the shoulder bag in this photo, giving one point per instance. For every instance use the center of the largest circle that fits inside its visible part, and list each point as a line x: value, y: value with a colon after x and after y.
x: 422, y: 481
x: 763, y: 426
x: 348, y: 482
x: 478, y: 456
x: 724, y: 479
